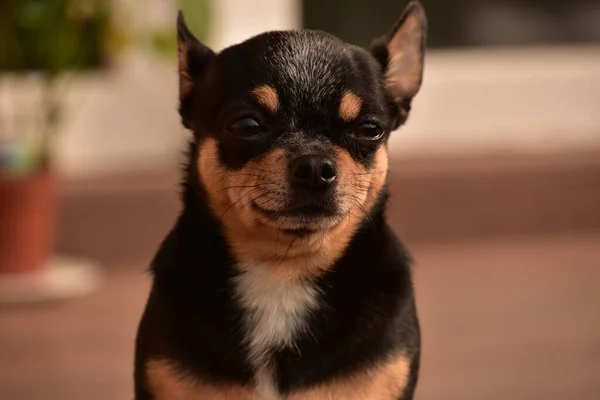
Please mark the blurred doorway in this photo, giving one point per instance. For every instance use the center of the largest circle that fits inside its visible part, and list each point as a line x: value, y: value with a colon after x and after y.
x: 464, y: 23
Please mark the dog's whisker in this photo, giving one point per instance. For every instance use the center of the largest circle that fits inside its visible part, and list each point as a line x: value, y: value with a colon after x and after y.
x: 260, y: 196
x: 235, y: 187
x: 277, y: 240
x: 368, y: 173
x: 359, y: 187
x: 287, y: 250
x: 364, y: 211
x: 322, y: 240
x: 246, y: 174
x: 237, y: 201
x: 258, y: 169
x: 261, y: 185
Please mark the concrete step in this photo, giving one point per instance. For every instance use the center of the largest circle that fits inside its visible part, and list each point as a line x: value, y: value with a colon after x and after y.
x: 123, y: 217
x: 510, y: 315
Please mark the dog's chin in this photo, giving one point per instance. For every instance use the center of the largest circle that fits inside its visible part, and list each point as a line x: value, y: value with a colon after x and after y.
x: 299, y: 221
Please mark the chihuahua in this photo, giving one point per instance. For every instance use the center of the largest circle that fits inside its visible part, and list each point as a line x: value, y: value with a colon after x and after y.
x: 281, y: 278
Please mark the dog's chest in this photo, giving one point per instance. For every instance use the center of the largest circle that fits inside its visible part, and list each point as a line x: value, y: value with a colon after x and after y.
x: 276, y: 313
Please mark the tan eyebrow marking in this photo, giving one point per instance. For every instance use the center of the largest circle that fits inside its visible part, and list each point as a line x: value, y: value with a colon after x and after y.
x: 349, y: 106
x: 267, y: 97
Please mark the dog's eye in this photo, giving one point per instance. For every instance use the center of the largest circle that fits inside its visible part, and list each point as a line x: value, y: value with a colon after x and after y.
x: 245, y: 127
x: 369, y: 130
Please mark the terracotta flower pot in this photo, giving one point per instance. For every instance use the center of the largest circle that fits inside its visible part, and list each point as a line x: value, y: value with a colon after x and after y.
x: 27, y: 218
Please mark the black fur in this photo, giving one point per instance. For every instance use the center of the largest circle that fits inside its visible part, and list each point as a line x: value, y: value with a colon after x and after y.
x: 191, y: 316
x: 367, y: 306
x: 309, y: 87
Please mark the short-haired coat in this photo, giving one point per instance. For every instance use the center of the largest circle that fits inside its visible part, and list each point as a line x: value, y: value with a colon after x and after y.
x: 281, y: 278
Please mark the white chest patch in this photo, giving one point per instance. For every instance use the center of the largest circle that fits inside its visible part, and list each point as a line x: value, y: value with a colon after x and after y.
x: 276, y: 312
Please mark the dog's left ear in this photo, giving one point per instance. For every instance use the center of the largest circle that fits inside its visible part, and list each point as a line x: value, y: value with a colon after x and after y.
x: 401, y: 54
x: 193, y: 59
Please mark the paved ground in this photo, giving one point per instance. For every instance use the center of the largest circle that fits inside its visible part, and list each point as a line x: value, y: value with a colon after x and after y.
x: 454, y: 112
x: 516, y: 318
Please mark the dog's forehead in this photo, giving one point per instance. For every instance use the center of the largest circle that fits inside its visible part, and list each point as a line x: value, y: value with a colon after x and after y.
x: 308, y: 62
x: 302, y: 66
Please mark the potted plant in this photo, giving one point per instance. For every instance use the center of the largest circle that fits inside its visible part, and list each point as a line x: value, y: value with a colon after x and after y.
x: 41, y: 40
x: 44, y: 43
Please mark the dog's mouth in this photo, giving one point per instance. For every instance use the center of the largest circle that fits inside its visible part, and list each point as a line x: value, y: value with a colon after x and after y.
x: 300, y: 219
x: 301, y: 211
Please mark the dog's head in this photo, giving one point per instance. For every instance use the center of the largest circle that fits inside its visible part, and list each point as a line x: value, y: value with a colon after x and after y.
x: 291, y: 130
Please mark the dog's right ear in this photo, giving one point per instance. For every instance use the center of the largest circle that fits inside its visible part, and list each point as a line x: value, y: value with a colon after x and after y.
x: 193, y: 59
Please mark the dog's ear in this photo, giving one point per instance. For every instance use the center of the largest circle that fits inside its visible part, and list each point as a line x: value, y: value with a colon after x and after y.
x: 401, y: 54
x: 193, y: 58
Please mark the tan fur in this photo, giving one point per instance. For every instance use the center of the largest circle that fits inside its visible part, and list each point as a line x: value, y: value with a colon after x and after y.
x: 405, y: 66
x: 165, y: 383
x: 255, y: 239
x: 186, y: 83
x: 350, y: 106
x: 385, y: 382
x: 267, y: 97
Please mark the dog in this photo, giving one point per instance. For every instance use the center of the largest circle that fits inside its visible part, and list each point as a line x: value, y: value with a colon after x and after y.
x: 281, y: 278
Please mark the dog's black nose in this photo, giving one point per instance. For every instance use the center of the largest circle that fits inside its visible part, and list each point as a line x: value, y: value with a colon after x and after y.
x: 313, y: 172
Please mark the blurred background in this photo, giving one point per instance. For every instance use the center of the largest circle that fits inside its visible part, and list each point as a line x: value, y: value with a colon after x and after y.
x: 495, y: 185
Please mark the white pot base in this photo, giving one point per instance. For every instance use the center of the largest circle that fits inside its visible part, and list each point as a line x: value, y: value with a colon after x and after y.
x: 63, y: 278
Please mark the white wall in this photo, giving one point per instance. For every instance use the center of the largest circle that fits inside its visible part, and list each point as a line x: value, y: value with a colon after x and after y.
x: 235, y: 20
x: 127, y: 117
x: 472, y: 101
x: 506, y: 100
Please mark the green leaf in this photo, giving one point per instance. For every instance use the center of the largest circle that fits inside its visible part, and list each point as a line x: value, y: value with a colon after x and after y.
x: 197, y: 17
